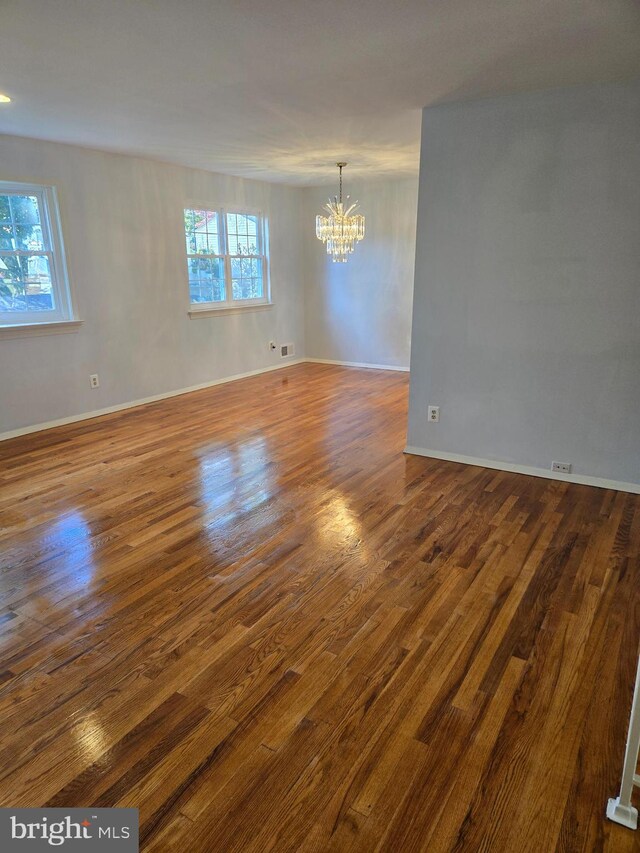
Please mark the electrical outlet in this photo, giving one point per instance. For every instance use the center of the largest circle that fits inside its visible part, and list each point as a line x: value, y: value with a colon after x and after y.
x: 434, y: 414
x: 94, y: 380
x: 561, y: 467
x: 272, y: 346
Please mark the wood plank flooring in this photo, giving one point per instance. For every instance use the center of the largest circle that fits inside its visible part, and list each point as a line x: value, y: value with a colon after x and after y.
x: 245, y: 612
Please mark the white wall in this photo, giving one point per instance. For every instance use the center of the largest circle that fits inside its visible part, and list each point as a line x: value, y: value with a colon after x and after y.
x: 526, y: 323
x: 122, y: 226
x: 361, y: 311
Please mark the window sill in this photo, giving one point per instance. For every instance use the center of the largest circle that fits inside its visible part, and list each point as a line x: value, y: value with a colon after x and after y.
x: 197, y: 313
x: 26, y: 330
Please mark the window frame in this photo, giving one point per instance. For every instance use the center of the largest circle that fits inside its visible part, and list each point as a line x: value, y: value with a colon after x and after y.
x: 229, y: 304
x: 51, y: 226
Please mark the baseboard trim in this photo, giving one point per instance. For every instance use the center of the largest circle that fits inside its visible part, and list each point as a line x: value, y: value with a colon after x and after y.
x: 581, y: 479
x: 358, y: 364
x: 120, y: 407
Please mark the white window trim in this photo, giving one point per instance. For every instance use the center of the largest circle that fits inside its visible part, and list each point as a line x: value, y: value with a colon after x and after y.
x: 230, y: 305
x: 254, y: 305
x: 29, y: 330
x: 18, y: 324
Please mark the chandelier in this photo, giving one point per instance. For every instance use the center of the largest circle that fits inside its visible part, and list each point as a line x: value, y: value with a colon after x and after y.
x: 340, y: 230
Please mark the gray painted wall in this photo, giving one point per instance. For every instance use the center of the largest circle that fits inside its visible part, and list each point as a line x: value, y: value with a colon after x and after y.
x: 526, y: 318
x: 361, y: 311
x: 123, y: 232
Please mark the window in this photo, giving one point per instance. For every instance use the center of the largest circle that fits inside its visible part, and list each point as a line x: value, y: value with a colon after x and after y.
x: 226, y: 258
x: 33, y: 280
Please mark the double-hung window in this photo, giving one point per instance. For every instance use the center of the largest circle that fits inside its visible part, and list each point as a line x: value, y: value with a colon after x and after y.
x: 33, y: 280
x: 227, y: 259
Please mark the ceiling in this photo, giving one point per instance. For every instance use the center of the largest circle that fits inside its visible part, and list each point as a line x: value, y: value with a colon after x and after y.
x: 280, y: 89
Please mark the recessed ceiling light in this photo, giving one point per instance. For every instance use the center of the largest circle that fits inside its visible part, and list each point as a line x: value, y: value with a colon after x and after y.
x: 4, y: 99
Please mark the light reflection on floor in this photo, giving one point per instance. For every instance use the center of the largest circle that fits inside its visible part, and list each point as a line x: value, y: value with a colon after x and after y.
x: 240, y: 493
x: 338, y: 524
x: 91, y: 738
x: 65, y: 547
x: 235, y: 480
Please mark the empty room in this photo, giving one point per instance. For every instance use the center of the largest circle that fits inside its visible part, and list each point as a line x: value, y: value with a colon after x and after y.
x: 320, y: 426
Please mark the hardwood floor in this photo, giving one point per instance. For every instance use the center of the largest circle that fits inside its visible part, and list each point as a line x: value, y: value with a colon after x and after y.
x: 247, y: 613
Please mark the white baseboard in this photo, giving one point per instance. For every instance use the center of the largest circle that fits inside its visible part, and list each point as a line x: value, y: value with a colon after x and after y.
x: 357, y: 364
x: 119, y: 407
x: 581, y: 479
